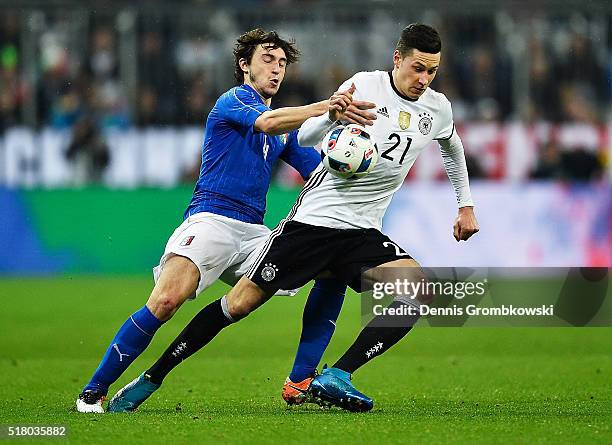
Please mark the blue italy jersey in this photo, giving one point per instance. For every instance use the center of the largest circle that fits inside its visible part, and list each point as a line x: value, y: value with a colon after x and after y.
x: 237, y: 160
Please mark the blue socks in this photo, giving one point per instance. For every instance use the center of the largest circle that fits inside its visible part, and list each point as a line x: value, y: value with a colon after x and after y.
x: 129, y: 342
x: 318, y: 325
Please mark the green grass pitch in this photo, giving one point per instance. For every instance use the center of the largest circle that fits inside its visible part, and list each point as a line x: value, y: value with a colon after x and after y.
x: 439, y: 385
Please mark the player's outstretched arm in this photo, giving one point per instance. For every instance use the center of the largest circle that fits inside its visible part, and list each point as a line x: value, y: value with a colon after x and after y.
x: 284, y: 120
x: 453, y: 156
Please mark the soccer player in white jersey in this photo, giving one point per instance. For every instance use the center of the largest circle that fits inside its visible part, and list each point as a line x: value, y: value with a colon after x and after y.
x: 223, y: 224
x: 410, y: 116
x: 334, y: 226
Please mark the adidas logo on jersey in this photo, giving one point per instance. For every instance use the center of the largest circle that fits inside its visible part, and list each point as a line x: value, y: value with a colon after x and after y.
x: 383, y: 111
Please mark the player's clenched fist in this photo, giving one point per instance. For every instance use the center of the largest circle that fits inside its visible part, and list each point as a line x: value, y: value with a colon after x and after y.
x: 465, y: 224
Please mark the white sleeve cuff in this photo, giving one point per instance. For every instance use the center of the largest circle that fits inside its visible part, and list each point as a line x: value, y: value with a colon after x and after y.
x: 314, y: 130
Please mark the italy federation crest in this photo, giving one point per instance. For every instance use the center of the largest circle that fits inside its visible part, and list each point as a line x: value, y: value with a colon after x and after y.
x: 187, y: 241
x: 425, y: 123
x: 404, y: 120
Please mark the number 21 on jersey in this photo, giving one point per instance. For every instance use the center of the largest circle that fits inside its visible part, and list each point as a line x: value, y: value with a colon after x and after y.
x: 397, y: 142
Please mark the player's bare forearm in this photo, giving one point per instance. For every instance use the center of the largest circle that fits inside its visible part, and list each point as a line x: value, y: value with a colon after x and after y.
x: 286, y: 119
x: 466, y: 224
x: 282, y: 120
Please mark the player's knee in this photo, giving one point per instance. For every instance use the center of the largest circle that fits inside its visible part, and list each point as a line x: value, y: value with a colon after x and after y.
x: 238, y: 308
x: 164, y: 304
x: 244, y: 298
x: 240, y: 303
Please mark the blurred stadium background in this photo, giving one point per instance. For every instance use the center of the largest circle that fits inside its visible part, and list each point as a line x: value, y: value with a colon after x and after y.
x: 102, y: 111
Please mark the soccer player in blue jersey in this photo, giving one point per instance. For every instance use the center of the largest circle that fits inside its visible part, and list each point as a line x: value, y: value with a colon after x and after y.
x: 223, y: 224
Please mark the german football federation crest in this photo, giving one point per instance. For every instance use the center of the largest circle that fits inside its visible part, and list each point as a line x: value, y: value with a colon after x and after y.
x: 425, y: 122
x: 404, y: 120
x: 268, y: 273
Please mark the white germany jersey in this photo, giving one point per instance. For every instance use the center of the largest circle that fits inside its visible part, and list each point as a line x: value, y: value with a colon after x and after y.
x: 402, y: 130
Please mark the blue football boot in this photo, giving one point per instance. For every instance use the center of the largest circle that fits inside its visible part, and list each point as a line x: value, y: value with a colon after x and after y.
x: 333, y: 387
x: 132, y: 395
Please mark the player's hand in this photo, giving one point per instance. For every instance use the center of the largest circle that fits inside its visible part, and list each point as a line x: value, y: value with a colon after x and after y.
x: 357, y: 113
x: 339, y: 102
x: 465, y: 224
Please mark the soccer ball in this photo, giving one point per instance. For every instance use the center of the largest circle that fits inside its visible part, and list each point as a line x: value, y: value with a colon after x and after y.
x: 348, y: 152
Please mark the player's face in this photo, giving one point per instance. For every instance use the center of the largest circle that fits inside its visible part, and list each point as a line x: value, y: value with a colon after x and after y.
x: 414, y: 72
x: 266, y: 71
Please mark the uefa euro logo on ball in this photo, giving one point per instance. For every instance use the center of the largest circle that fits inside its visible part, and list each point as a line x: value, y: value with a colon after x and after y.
x: 348, y: 152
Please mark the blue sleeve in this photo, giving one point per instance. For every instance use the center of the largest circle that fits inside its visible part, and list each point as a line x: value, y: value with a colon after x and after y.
x: 240, y: 107
x: 303, y: 159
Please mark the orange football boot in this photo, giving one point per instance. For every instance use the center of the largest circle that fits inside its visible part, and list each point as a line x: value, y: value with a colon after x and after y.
x: 296, y: 393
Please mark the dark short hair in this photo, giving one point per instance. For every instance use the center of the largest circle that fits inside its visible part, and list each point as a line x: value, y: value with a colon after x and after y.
x: 247, y: 42
x: 418, y: 36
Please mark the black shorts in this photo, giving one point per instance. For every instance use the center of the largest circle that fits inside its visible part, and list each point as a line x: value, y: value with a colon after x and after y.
x: 296, y: 253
